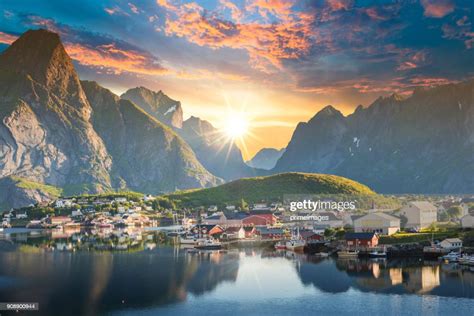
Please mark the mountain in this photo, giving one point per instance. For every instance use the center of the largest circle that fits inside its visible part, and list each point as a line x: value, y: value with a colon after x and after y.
x: 45, y: 130
x: 270, y: 188
x: 50, y: 134
x: 157, y: 104
x: 147, y: 156
x: 423, y: 143
x: 266, y: 158
x: 220, y: 157
x: 18, y: 192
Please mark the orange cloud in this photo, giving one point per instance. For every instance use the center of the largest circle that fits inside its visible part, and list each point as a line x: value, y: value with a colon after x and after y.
x: 279, y: 8
x: 337, y: 5
x: 116, y: 59
x: 235, y: 12
x: 437, y: 8
x: 267, y: 44
x: 7, y: 38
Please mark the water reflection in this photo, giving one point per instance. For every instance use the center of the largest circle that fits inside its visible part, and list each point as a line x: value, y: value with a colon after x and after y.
x: 90, y: 283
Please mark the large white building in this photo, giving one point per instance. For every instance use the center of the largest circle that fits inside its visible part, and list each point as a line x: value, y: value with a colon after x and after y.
x: 467, y: 221
x: 381, y: 223
x: 420, y: 214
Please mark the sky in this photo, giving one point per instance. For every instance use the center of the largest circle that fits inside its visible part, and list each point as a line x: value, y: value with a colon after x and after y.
x: 275, y: 62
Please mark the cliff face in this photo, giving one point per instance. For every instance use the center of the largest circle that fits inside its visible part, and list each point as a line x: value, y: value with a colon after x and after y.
x: 420, y: 144
x: 50, y: 134
x: 147, y: 156
x: 45, y: 133
x: 157, y: 104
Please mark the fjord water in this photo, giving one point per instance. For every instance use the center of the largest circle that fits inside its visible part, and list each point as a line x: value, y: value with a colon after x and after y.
x: 170, y: 281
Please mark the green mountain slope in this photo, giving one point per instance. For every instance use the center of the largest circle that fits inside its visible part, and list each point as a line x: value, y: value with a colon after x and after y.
x: 270, y: 188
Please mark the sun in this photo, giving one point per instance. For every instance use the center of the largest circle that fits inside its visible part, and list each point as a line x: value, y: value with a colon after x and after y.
x: 236, y: 125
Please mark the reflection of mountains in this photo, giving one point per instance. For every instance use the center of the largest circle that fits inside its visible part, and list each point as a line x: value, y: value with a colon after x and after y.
x: 70, y: 284
x: 387, y: 277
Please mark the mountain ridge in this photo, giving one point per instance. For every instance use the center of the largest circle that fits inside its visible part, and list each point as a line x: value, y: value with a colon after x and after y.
x: 417, y: 144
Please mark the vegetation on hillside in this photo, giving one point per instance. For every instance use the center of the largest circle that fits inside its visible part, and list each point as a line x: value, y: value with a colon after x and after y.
x: 269, y: 189
x: 32, y: 185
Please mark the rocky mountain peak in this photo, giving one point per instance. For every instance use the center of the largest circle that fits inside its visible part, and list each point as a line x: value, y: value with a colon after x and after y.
x: 157, y: 104
x: 327, y: 112
x: 39, y: 56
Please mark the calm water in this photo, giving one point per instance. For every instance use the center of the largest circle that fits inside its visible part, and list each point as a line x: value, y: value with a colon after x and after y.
x: 168, y: 281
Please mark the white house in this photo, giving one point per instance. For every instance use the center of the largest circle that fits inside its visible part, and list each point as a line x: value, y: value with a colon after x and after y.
x: 22, y: 215
x: 76, y: 213
x: 148, y: 197
x: 467, y: 221
x: 60, y: 203
x: 235, y: 232
x: 378, y: 223
x: 212, y: 208
x: 120, y: 199
x: 451, y: 243
x: 420, y: 214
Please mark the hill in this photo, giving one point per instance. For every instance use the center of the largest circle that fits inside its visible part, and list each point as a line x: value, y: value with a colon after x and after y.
x: 269, y: 188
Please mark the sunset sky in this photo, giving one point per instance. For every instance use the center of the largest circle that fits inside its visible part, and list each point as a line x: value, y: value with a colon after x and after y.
x: 278, y: 61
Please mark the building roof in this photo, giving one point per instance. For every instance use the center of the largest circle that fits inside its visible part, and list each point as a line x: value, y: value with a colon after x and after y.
x: 215, y: 216
x: 453, y: 240
x: 238, y: 215
x: 350, y: 236
x: 423, y: 205
x: 208, y: 227
x: 383, y: 215
x: 307, y: 233
x: 233, y: 229
x: 261, y: 212
x: 264, y: 230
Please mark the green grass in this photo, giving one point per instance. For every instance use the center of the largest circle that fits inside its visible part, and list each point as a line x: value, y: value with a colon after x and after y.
x: 130, y: 195
x: 270, y: 188
x: 426, y: 236
x: 31, y: 185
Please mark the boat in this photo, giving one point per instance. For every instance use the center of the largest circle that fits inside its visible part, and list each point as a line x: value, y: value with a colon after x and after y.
x: 280, y: 245
x: 451, y: 257
x: 378, y: 254
x: 348, y: 253
x: 466, y: 260
x: 209, y: 244
x: 190, y: 240
x: 295, y: 244
x: 322, y: 254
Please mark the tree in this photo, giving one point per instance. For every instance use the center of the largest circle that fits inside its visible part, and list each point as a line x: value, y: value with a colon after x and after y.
x: 328, y: 232
x: 454, y: 211
x: 243, y: 205
x: 443, y: 216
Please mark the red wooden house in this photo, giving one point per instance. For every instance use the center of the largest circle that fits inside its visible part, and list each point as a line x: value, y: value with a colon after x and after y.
x: 361, y: 239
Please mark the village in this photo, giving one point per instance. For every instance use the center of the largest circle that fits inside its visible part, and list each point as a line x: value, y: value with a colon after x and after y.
x: 439, y: 228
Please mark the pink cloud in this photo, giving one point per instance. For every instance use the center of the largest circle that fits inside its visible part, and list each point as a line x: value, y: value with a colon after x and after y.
x: 337, y: 5
x: 437, y: 8
x: 267, y: 44
x: 7, y: 38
